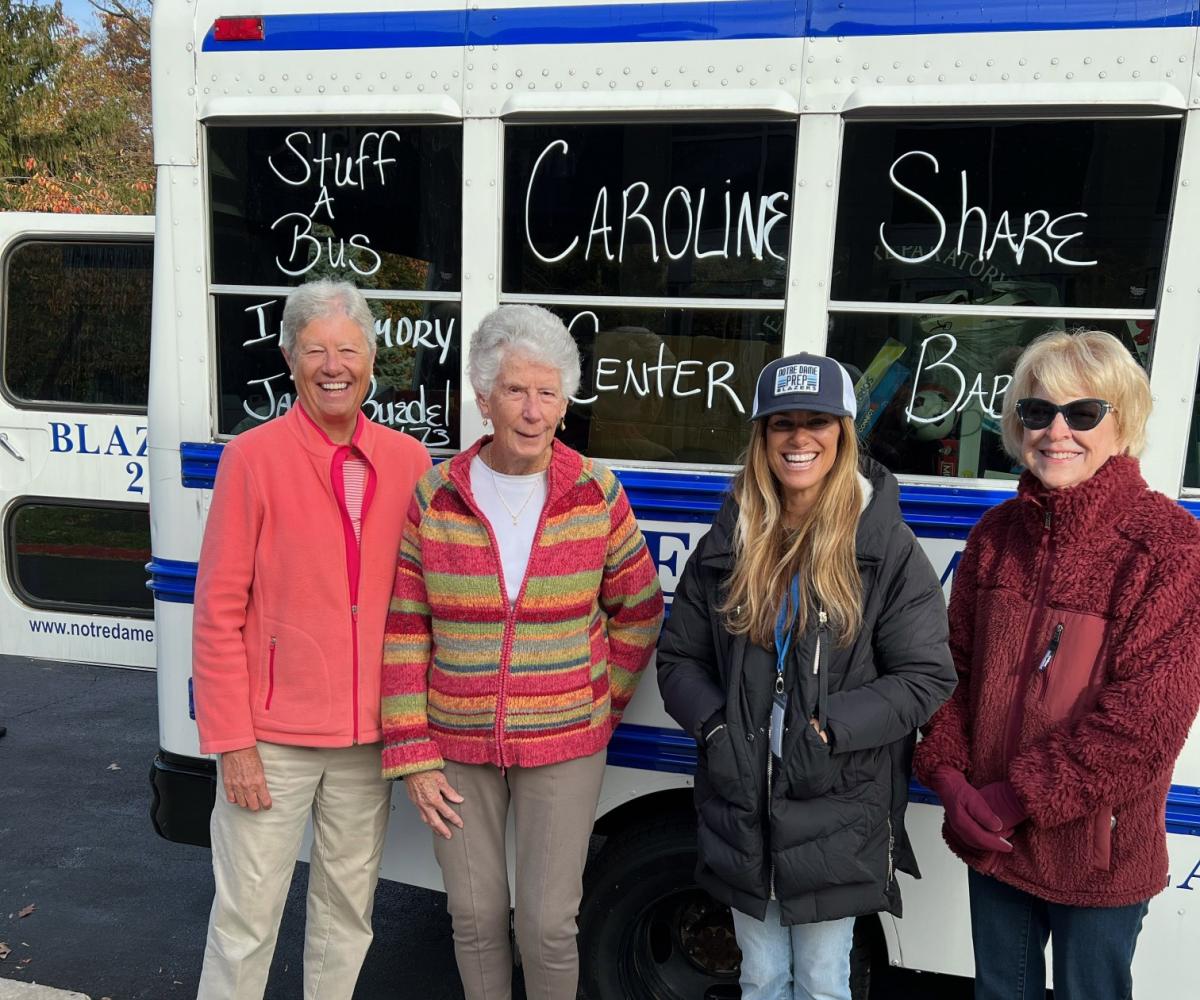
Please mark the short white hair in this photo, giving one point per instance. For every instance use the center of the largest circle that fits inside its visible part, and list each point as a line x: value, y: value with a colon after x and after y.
x: 324, y: 299
x: 531, y: 331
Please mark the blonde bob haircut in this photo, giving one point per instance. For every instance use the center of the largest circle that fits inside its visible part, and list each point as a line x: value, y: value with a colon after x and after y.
x: 821, y: 550
x: 1081, y: 364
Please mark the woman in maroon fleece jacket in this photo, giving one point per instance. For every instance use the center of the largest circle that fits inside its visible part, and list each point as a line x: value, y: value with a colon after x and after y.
x: 1075, y: 629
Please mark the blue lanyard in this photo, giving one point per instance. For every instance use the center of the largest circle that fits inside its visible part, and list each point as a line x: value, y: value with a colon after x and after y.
x: 783, y: 630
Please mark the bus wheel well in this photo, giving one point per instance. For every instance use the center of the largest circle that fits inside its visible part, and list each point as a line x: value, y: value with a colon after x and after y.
x: 669, y: 803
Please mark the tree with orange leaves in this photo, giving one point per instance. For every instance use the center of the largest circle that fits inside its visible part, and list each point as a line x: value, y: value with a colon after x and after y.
x: 75, y: 110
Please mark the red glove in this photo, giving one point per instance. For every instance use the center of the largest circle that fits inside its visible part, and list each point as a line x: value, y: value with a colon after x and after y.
x: 1002, y: 800
x: 973, y: 821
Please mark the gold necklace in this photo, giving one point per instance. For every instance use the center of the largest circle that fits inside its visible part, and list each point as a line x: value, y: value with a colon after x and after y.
x: 515, y: 515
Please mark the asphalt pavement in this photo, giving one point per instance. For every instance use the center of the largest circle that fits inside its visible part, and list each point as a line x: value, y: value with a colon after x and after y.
x: 93, y: 901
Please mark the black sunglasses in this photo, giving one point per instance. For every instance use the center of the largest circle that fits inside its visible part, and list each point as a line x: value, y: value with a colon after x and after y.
x: 1080, y: 414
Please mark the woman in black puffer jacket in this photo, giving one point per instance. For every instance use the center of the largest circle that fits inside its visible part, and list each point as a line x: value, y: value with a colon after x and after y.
x: 806, y: 643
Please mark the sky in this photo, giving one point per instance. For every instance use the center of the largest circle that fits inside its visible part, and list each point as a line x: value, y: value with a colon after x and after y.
x: 79, y: 11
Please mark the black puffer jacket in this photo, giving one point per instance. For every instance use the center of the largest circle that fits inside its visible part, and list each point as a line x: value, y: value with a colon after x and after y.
x: 828, y: 835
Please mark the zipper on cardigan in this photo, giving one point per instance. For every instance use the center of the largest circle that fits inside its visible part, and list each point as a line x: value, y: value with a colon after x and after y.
x: 502, y: 685
x: 270, y: 675
x: 822, y: 621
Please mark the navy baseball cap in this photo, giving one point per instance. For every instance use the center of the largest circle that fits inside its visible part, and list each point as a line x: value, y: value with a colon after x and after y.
x: 804, y: 382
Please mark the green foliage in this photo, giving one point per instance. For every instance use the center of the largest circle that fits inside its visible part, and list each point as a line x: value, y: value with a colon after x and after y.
x: 75, y: 110
x: 31, y: 59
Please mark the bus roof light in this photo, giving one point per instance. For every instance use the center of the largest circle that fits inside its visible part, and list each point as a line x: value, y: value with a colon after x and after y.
x: 238, y: 29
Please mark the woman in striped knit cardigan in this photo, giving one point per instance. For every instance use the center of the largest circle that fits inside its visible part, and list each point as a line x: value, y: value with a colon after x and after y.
x: 526, y: 607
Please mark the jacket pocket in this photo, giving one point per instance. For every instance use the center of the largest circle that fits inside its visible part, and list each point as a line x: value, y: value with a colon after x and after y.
x: 270, y: 674
x: 724, y: 769
x: 810, y: 769
x: 1103, y: 824
x: 296, y: 692
x: 1069, y: 669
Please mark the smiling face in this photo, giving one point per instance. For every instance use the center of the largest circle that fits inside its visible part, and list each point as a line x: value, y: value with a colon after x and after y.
x: 1061, y: 457
x: 331, y: 365
x: 525, y: 404
x: 801, y: 449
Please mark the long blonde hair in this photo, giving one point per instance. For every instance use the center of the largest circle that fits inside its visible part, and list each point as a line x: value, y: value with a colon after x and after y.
x: 821, y: 551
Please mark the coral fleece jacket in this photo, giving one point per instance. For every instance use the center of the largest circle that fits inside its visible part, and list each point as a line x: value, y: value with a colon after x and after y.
x: 1075, y: 630
x: 288, y: 628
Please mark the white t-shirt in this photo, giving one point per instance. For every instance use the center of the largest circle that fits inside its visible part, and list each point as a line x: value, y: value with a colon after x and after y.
x: 500, y: 497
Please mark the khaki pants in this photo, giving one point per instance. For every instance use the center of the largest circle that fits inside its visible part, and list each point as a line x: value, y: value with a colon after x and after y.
x: 254, y: 855
x: 554, y: 807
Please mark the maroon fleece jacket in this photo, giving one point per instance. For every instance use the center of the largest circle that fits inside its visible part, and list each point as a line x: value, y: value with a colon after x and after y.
x: 1075, y: 630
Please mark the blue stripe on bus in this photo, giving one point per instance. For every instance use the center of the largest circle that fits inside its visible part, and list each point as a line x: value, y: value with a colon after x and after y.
x: 931, y: 511
x: 652, y: 748
x: 679, y: 22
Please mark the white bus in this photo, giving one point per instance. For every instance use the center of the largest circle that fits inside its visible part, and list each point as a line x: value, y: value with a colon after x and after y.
x: 74, y: 481
x: 918, y: 189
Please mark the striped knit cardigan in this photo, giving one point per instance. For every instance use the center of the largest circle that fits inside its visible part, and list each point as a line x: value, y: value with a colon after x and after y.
x: 469, y: 677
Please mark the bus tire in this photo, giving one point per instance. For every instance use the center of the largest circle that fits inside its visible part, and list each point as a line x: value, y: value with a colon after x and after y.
x: 647, y: 931
x: 867, y: 953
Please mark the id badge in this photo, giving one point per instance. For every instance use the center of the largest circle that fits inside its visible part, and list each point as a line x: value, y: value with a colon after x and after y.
x: 777, y: 706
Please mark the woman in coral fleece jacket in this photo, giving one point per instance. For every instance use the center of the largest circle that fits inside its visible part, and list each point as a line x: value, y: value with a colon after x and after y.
x: 1075, y: 630
x: 526, y: 608
x: 295, y: 575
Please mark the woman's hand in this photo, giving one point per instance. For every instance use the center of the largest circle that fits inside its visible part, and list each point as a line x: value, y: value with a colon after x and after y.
x: 244, y: 780
x: 431, y: 793
x: 820, y: 732
x: 969, y: 814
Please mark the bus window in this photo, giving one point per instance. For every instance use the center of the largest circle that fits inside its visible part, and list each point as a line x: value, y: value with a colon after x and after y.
x: 378, y: 205
x: 611, y: 226
x: 415, y: 385
x: 77, y: 324
x: 80, y: 556
x: 957, y: 243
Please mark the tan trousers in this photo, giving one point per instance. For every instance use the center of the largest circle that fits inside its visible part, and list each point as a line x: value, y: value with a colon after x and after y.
x: 554, y: 807
x: 254, y: 855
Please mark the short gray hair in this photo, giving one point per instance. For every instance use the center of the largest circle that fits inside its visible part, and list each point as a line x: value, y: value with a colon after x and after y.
x: 324, y: 299
x: 532, y: 331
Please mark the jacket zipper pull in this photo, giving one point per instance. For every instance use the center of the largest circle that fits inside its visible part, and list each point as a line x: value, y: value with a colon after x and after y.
x: 1052, y: 648
x: 822, y: 620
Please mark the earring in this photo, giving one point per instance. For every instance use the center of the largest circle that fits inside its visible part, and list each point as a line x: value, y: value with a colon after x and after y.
x: 562, y: 424
x: 485, y: 423
x: 291, y: 377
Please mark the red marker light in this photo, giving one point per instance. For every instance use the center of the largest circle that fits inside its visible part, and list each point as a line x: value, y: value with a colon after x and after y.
x: 238, y: 29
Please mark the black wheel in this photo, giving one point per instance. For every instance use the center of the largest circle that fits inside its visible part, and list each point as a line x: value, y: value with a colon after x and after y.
x: 868, y: 949
x: 646, y: 930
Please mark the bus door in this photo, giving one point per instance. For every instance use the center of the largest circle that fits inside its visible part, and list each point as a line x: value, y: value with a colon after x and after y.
x: 74, y: 503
